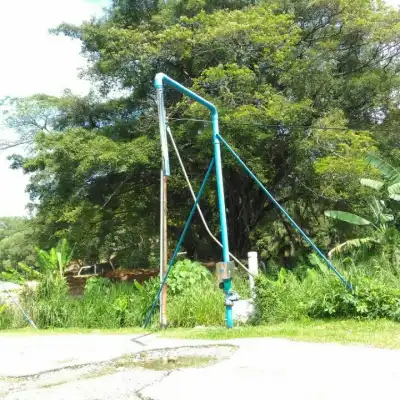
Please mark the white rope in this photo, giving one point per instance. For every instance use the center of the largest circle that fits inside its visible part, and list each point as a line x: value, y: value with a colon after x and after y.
x: 198, y: 206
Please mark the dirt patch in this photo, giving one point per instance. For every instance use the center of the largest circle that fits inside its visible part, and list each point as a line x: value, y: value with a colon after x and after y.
x: 177, y: 358
x: 166, y: 359
x: 177, y: 363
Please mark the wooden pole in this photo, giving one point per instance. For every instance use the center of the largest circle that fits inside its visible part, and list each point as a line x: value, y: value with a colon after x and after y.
x: 163, y: 248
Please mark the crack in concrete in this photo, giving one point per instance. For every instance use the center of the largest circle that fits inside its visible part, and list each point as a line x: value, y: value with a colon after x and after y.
x: 138, y: 393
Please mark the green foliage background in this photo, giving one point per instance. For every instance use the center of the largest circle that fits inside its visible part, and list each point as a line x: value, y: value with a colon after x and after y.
x: 278, y: 71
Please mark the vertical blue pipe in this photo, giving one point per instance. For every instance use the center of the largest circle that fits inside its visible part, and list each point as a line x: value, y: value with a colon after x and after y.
x: 222, y: 213
x: 159, y: 81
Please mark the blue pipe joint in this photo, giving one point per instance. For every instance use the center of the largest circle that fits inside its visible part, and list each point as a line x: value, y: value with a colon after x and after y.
x: 230, y: 298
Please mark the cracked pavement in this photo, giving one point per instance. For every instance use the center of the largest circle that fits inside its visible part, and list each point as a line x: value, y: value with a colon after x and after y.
x: 81, y: 367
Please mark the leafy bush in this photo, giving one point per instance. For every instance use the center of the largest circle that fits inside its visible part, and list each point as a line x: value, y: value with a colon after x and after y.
x: 48, y: 304
x: 322, y: 295
x: 113, y: 305
x: 195, y: 299
x: 6, y: 317
x: 371, y: 299
x: 279, y: 300
x: 187, y: 274
x: 201, y: 305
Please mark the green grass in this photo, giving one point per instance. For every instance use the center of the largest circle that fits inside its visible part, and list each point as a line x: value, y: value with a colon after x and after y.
x: 380, y: 333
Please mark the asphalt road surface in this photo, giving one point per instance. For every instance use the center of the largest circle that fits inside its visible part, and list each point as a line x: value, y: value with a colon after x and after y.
x: 97, y: 367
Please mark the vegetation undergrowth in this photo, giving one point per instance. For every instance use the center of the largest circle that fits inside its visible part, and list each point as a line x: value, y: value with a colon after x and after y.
x: 320, y: 294
x: 193, y: 299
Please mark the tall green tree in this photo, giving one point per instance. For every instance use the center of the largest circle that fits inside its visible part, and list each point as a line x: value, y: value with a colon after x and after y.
x: 17, y: 241
x: 282, y: 74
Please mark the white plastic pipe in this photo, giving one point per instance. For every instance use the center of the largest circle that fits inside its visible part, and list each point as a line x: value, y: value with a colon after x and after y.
x: 253, y: 268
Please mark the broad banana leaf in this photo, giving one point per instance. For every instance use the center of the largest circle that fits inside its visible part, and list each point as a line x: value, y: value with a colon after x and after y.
x: 347, y: 217
x: 388, y: 171
x: 377, y: 185
x: 395, y: 197
x: 394, y: 189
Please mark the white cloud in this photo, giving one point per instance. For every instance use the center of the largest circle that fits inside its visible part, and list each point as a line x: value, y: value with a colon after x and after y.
x: 32, y: 61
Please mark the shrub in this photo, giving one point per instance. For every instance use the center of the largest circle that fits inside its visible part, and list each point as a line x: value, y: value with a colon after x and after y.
x: 194, y: 297
x: 280, y: 299
x: 201, y: 305
x: 113, y: 305
x: 371, y: 299
x: 48, y: 305
x: 187, y: 274
x: 321, y: 295
x: 6, y: 317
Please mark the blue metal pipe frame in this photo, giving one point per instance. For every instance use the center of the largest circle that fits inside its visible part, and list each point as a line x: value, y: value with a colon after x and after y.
x: 159, y: 82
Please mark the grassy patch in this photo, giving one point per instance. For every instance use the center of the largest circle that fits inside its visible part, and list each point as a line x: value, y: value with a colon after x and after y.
x: 179, y: 362
x: 107, y: 369
x: 379, y: 333
x: 53, y: 384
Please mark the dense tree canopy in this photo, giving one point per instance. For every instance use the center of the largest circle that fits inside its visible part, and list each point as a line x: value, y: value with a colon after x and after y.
x: 305, y: 90
x: 17, y: 242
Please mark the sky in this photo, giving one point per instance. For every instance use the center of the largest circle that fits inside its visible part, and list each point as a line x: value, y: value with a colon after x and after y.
x: 33, y: 61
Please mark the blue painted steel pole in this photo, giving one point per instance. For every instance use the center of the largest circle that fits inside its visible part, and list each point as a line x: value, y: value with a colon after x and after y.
x: 159, y: 81
x: 222, y: 215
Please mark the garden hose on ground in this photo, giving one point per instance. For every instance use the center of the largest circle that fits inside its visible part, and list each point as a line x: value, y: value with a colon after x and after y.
x: 198, y: 206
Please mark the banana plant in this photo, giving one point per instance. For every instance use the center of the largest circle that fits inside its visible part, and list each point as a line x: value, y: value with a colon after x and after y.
x: 56, y: 260
x: 379, y: 221
x: 380, y: 216
x: 390, y: 174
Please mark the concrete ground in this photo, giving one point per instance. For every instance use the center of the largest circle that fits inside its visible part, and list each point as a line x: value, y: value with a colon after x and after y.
x: 80, y: 367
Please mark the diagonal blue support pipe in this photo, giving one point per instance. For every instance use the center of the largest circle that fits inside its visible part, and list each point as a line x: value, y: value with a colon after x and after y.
x: 284, y: 212
x: 159, y: 82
